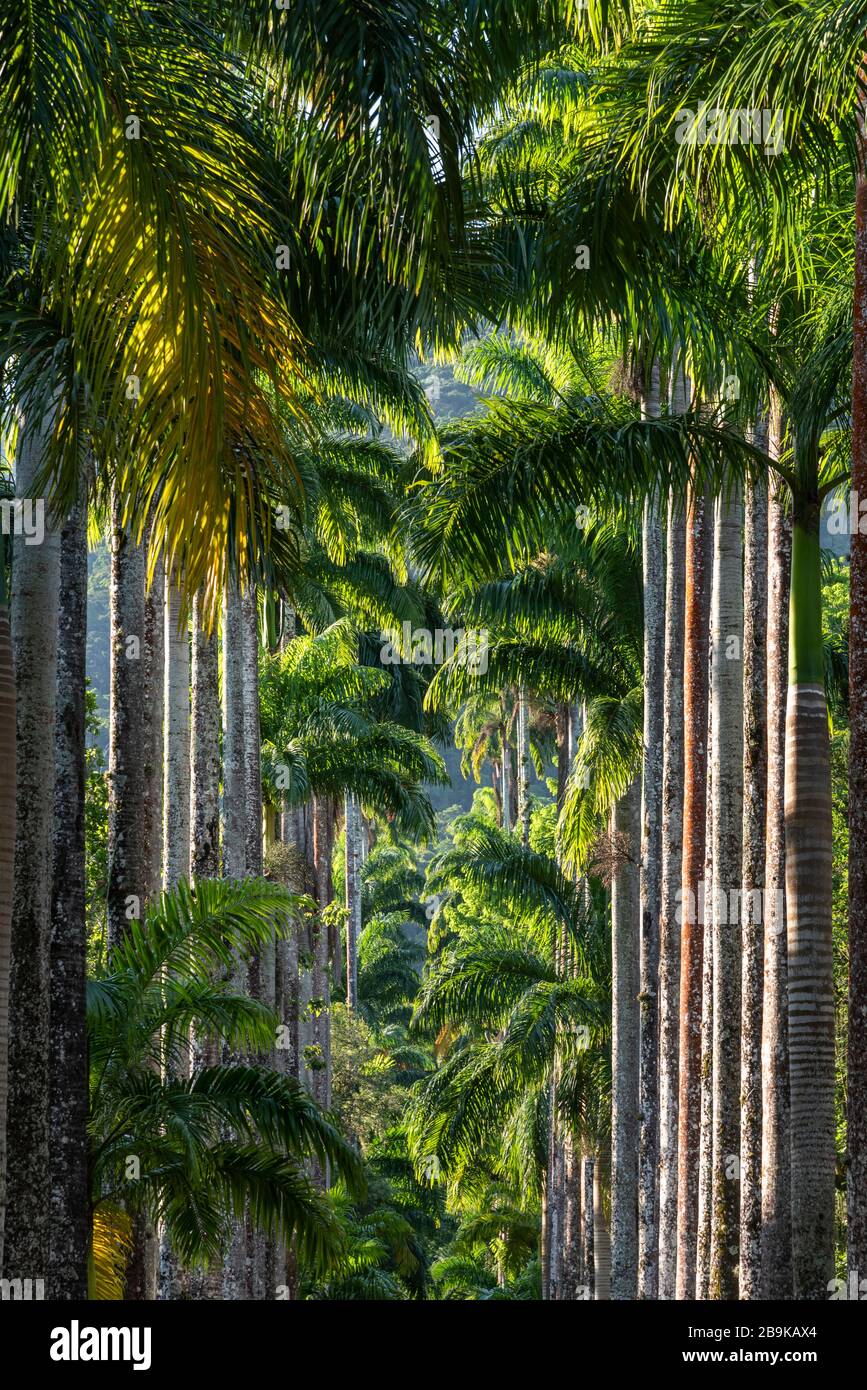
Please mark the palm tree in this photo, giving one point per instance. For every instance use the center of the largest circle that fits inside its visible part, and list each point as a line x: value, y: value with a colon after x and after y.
x: 158, y: 1142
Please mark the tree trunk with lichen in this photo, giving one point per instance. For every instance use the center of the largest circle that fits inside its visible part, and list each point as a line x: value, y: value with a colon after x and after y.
x: 752, y: 917
x: 670, y: 926
x: 625, y: 904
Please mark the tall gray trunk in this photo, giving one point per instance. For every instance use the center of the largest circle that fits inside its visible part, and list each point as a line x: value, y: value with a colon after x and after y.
x: 205, y: 750
x: 127, y: 867
x: 705, y: 1150
x: 588, y: 1254
x: 624, y: 1046
x: 727, y: 693
x: 776, y: 1256
x: 7, y: 862
x: 653, y: 565
x: 176, y: 839
x: 523, y: 754
x: 698, y: 566
x: 353, y: 895
x: 35, y: 593
x: 70, y: 1197
x: 234, y: 807
x: 670, y: 925
x: 755, y: 784
x: 602, y: 1268
x: 154, y: 710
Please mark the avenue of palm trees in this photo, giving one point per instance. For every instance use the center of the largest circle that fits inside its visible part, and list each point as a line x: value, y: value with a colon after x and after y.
x: 433, y: 650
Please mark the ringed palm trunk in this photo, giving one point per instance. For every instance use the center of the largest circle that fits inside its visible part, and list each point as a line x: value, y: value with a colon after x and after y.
x: 699, y: 545
x: 856, y: 1186
x: 752, y: 965
x: 35, y: 593
x: 70, y: 1195
x: 808, y: 907
x: 7, y: 861
x: 602, y: 1266
x: 625, y: 1046
x: 669, y: 934
x: 727, y: 758
x: 127, y: 871
x: 776, y: 1255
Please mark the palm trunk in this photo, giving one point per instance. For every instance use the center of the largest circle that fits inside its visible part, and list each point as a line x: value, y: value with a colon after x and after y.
x: 808, y: 905
x: 176, y: 839
x: 625, y: 1047
x: 856, y: 1186
x: 261, y: 981
x: 321, y: 1033
x: 524, y: 766
x: 669, y: 942
x: 205, y: 752
x: 70, y: 1196
x: 507, y: 779
x: 353, y: 895
x: 727, y: 757
x: 7, y: 862
x: 234, y: 807
x: 602, y: 1268
x: 588, y: 1255
x: 752, y: 965
x: 650, y: 889
x: 699, y: 546
x: 127, y: 873
x: 776, y: 1256
x: 154, y: 711
x: 235, y: 1274
x: 35, y: 594
x: 176, y: 806
x: 705, y: 1140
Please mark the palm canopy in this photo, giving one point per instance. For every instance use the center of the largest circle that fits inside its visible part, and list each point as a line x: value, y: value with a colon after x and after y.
x: 322, y: 734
